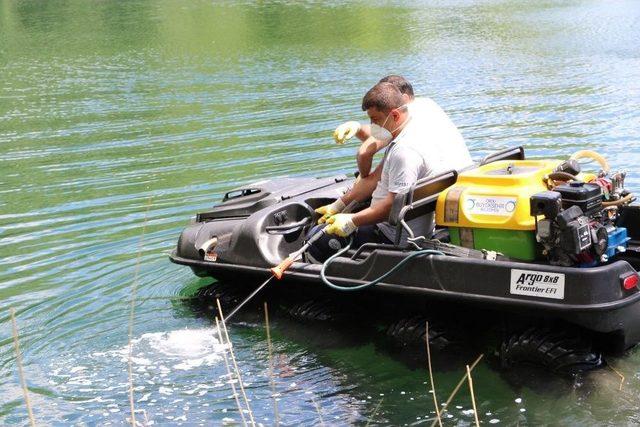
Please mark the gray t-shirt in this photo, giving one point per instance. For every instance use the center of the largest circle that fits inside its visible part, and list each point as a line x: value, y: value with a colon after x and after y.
x: 402, y: 166
x: 421, y: 149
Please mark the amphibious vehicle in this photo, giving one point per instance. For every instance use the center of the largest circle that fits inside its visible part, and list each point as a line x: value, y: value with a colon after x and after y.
x: 553, y: 249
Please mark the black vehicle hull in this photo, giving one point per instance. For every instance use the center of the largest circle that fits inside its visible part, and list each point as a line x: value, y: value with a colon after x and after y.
x: 251, y: 241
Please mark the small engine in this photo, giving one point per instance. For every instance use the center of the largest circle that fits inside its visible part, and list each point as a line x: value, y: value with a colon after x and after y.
x: 579, y: 220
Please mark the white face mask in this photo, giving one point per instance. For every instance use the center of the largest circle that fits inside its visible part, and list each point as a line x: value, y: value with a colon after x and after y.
x: 387, y: 118
x: 380, y: 133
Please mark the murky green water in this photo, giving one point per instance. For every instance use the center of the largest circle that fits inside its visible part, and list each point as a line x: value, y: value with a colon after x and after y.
x: 112, y: 109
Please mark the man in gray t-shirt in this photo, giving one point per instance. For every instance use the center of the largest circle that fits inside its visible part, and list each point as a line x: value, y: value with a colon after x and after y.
x: 404, y: 164
x: 406, y: 161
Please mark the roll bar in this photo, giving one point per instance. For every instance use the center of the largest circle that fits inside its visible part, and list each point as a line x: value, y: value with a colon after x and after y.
x: 516, y: 153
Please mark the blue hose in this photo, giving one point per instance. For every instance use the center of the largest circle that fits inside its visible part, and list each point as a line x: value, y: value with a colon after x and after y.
x: 375, y: 281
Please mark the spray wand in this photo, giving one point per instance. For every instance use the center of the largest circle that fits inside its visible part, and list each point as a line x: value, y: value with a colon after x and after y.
x: 278, y: 270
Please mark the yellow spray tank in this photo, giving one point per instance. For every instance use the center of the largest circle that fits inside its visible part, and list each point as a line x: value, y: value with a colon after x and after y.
x: 488, y: 207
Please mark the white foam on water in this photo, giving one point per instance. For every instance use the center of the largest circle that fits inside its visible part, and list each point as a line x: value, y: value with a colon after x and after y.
x: 154, y: 356
x: 174, y: 373
x: 184, y: 342
x: 182, y: 349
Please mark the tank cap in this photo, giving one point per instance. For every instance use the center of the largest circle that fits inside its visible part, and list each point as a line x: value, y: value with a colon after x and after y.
x: 576, y: 184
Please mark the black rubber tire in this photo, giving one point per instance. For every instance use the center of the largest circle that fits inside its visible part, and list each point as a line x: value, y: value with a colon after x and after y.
x: 559, y: 350
x: 411, y: 331
x: 317, y: 311
x: 228, y: 294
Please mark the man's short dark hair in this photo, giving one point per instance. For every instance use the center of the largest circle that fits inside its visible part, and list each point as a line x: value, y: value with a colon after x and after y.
x: 384, y: 97
x: 400, y: 82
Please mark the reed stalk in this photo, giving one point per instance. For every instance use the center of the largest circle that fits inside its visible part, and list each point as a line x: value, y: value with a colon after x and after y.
x: 23, y: 383
x: 233, y: 387
x: 375, y: 412
x: 235, y: 363
x: 619, y: 374
x: 317, y: 410
x: 457, y: 388
x: 433, y: 386
x: 134, y: 289
x: 271, y: 377
x: 473, y: 396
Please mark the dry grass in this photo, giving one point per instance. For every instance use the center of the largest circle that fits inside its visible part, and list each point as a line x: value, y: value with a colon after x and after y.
x: 457, y: 387
x: 230, y: 375
x: 460, y: 383
x: 318, y: 411
x: 619, y: 374
x: 271, y: 377
x: 235, y: 363
x: 375, y: 412
x: 23, y: 383
x: 134, y: 289
x: 433, y: 386
x: 473, y: 396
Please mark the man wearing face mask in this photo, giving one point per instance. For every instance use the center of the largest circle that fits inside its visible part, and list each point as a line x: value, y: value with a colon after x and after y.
x: 406, y: 160
x: 447, y: 149
x: 439, y: 130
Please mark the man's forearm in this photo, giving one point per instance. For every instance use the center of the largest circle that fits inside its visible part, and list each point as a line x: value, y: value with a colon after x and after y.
x: 367, y: 150
x: 355, y: 194
x: 374, y: 214
x: 365, y: 155
x: 364, y: 187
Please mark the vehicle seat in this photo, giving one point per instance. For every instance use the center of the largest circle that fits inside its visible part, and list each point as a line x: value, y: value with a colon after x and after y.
x: 419, y: 200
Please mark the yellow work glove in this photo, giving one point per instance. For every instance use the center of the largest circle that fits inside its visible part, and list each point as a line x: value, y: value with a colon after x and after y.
x: 345, y: 131
x: 341, y: 225
x: 327, y: 211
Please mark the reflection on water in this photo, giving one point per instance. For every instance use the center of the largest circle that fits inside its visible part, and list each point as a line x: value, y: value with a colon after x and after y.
x: 112, y: 109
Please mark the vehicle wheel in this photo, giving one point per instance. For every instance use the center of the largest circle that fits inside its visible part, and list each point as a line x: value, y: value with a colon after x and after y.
x: 412, y: 331
x: 317, y: 311
x: 561, y: 351
x: 229, y: 295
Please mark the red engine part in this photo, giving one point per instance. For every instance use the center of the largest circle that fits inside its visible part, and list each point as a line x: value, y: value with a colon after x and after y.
x: 605, y: 184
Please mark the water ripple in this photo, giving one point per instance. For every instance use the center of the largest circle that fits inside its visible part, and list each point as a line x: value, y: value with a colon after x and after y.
x: 157, y: 111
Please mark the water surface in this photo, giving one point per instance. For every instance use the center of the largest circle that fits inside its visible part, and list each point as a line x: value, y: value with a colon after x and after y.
x: 113, y: 112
